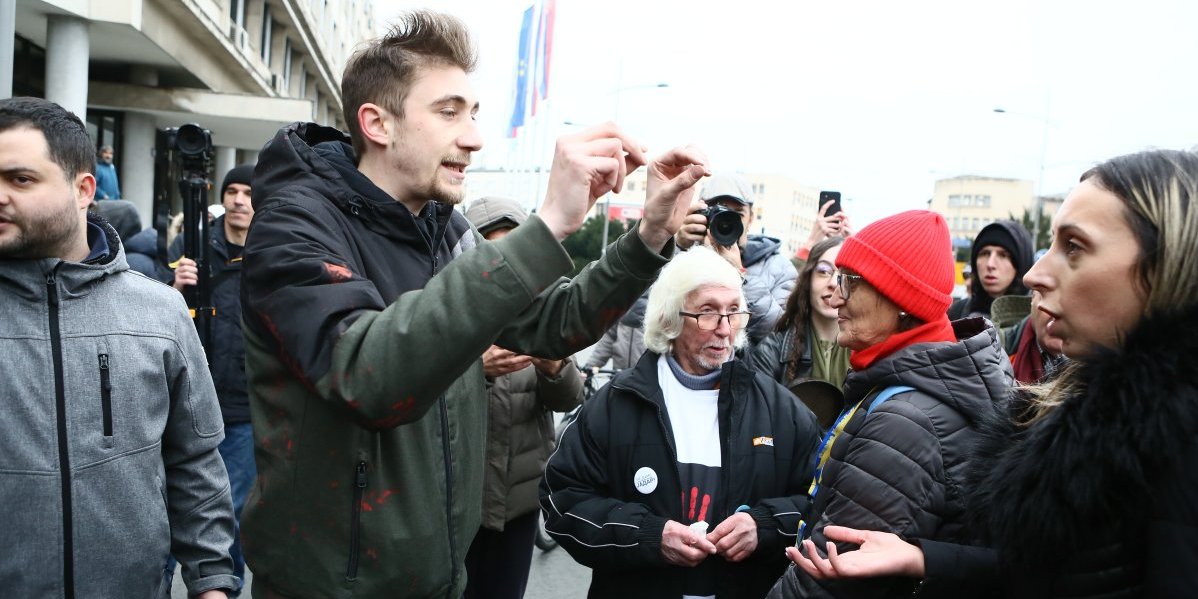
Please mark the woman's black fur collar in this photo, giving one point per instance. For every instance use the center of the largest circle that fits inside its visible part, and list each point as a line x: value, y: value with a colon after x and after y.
x: 1087, y: 469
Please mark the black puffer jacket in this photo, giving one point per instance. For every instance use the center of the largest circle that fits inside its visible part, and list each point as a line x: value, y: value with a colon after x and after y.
x: 593, y: 508
x: 1100, y: 497
x: 900, y: 467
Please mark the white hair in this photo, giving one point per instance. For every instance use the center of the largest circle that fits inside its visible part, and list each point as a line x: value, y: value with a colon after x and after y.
x: 688, y: 271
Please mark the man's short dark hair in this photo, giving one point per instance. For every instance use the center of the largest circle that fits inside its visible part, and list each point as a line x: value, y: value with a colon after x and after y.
x: 70, y: 145
x: 382, y: 72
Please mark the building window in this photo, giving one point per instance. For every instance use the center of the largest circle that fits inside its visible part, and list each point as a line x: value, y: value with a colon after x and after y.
x: 28, y: 68
x: 267, y: 25
x: 287, y: 65
x: 237, y: 12
x: 303, y: 86
x: 104, y: 127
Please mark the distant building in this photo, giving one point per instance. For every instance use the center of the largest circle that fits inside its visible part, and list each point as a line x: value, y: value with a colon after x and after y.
x: 240, y: 68
x: 970, y: 202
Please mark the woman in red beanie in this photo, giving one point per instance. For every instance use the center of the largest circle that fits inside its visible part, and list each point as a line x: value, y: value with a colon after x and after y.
x: 894, y: 459
x: 1089, y: 488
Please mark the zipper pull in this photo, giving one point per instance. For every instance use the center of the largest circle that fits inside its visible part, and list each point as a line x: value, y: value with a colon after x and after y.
x: 360, y: 478
x: 103, y: 361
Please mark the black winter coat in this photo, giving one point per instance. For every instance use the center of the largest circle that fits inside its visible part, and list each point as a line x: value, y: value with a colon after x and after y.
x: 1100, y: 497
x: 593, y: 508
x: 901, y: 467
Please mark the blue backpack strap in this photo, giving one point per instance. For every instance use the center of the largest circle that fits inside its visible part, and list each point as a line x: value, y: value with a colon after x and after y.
x: 886, y: 394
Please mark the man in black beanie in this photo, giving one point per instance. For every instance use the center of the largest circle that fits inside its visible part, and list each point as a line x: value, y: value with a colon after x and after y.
x: 1001, y: 255
x: 228, y: 345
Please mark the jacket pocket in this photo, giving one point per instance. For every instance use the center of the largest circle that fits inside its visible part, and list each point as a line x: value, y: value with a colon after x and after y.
x: 355, y: 522
x: 106, y: 394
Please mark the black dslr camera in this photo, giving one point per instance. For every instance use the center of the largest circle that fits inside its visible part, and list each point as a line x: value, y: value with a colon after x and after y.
x: 724, y: 224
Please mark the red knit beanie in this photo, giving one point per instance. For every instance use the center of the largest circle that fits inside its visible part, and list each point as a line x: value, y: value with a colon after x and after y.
x: 908, y: 258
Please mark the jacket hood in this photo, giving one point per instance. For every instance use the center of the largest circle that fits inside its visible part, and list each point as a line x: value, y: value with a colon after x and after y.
x: 972, y: 375
x: 758, y: 248
x: 321, y: 160
x: 1094, y: 460
x: 290, y: 158
x: 1020, y: 245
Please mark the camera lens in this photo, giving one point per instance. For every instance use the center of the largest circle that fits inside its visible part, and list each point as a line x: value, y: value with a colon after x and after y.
x: 191, y: 139
x: 724, y: 225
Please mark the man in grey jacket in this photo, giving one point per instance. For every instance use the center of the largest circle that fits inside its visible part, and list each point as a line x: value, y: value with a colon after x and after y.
x: 108, y: 460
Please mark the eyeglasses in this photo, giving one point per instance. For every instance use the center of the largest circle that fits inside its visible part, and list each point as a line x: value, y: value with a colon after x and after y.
x: 825, y: 270
x: 710, y: 321
x: 845, y: 282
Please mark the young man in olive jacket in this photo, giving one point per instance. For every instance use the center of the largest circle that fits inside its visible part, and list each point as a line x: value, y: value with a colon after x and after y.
x: 368, y: 303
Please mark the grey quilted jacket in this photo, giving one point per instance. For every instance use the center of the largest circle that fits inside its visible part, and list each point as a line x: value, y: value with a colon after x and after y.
x: 899, y: 468
x: 769, y: 279
x: 108, y: 460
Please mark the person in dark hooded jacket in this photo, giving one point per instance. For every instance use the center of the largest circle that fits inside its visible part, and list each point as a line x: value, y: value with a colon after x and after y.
x: 1002, y: 253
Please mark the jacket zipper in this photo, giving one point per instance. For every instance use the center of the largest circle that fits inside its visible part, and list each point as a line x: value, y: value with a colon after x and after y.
x: 355, y: 521
x: 64, y: 459
x: 106, y: 394
x: 453, y: 550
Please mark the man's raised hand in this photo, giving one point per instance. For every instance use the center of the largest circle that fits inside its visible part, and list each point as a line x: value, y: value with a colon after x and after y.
x: 586, y: 165
x: 669, y: 192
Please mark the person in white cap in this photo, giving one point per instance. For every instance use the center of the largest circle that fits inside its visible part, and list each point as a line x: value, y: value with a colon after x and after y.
x: 769, y: 277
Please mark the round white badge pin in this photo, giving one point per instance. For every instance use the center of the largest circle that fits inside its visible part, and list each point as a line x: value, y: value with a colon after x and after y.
x: 645, y: 480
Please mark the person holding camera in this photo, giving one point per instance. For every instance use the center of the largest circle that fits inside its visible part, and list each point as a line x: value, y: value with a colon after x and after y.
x: 108, y: 445
x: 227, y: 355
x: 722, y: 220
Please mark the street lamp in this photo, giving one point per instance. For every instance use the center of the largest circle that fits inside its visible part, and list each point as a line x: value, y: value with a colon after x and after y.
x: 616, y: 119
x: 1039, y: 202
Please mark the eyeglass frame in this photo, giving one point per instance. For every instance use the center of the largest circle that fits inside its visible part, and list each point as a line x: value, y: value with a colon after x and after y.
x: 815, y: 272
x: 722, y: 316
x: 846, y: 290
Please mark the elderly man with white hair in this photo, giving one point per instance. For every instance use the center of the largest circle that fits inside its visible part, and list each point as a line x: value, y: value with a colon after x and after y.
x: 686, y: 476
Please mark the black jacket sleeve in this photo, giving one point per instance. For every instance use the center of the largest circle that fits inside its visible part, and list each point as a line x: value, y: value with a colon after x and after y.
x: 597, y: 530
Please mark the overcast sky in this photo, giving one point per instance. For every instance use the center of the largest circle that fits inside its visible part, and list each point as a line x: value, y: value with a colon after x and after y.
x: 877, y: 99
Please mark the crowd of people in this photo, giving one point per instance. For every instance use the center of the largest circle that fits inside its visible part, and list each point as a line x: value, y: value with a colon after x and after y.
x: 372, y: 414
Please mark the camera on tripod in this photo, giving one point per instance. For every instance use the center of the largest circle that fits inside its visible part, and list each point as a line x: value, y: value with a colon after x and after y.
x: 193, y: 145
x: 724, y: 224
x: 185, y: 155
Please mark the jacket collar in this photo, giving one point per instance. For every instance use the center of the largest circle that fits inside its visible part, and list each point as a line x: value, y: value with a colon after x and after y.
x: 972, y: 374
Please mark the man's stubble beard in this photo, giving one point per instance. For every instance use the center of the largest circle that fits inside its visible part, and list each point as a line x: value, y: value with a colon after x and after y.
x: 45, y: 238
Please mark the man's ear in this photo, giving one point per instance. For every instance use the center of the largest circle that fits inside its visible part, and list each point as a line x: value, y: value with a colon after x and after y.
x: 375, y: 125
x: 85, y: 189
